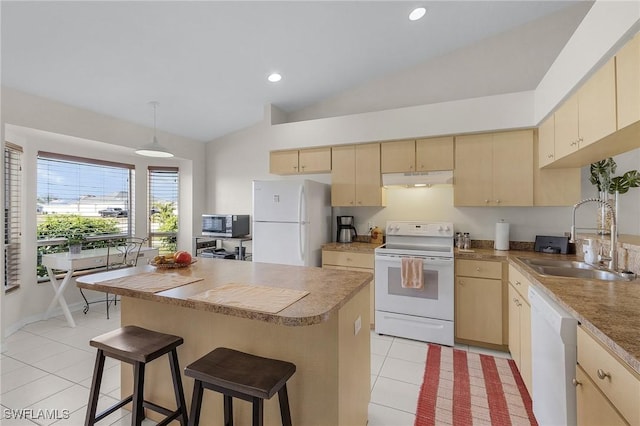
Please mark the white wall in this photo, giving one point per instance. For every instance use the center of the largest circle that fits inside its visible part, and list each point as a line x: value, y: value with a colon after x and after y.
x: 236, y: 159
x: 39, y: 124
x: 604, y: 30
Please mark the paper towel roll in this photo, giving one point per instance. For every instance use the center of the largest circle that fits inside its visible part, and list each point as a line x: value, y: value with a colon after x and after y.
x: 502, y: 236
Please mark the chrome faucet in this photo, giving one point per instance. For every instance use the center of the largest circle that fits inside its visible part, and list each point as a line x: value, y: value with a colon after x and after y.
x: 613, y: 252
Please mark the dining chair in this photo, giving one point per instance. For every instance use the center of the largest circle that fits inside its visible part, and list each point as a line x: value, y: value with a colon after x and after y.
x: 121, y: 253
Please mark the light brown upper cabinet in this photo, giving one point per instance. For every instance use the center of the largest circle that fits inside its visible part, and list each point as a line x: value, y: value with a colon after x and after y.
x: 292, y: 162
x: 546, y: 141
x: 628, y: 83
x: 494, y: 169
x: 553, y: 187
x: 355, y: 175
x: 422, y: 155
x: 589, y: 115
x: 283, y: 162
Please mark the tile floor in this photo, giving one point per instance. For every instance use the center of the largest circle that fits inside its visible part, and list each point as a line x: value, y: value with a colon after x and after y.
x: 48, y: 366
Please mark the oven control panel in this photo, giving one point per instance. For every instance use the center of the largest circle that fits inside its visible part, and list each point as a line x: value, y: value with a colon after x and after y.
x: 422, y: 229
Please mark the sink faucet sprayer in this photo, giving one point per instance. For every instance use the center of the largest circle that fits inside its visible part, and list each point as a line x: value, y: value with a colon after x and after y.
x: 613, y: 252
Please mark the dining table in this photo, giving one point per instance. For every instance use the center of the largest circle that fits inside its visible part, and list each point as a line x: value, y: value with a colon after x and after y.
x: 70, y: 263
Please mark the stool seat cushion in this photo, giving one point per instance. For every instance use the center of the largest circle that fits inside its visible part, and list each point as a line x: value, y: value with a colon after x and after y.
x: 241, y: 372
x: 136, y: 343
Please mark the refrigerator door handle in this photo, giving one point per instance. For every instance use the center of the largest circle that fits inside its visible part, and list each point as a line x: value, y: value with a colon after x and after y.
x: 300, y: 222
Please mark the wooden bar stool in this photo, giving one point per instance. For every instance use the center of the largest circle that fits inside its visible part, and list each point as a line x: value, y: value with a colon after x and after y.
x: 240, y: 375
x: 137, y: 346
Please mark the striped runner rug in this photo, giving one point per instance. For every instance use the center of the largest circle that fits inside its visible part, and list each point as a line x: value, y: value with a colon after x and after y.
x: 464, y: 388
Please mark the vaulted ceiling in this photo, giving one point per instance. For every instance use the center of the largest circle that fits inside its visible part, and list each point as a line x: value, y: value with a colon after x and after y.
x: 207, y: 62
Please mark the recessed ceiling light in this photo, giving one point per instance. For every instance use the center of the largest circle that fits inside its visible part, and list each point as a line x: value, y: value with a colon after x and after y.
x: 275, y: 77
x: 417, y: 13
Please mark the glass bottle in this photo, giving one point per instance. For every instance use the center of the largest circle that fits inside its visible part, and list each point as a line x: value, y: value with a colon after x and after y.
x: 459, y: 241
x: 466, y: 241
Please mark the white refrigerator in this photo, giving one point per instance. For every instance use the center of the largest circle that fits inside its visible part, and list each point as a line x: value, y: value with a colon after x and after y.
x: 291, y: 221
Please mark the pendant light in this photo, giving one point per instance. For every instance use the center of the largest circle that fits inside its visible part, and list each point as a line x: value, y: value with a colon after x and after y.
x: 154, y: 149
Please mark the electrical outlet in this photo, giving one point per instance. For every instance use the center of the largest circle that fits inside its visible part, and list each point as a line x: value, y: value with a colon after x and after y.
x: 370, y: 225
x: 357, y: 325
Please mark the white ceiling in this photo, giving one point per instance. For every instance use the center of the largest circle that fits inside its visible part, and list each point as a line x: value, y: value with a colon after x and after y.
x: 206, y: 62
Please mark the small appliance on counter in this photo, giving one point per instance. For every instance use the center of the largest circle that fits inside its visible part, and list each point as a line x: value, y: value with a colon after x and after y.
x: 346, y: 229
x: 225, y: 225
x: 550, y: 244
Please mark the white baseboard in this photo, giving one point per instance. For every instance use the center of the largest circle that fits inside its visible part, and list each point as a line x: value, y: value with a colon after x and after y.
x: 74, y: 307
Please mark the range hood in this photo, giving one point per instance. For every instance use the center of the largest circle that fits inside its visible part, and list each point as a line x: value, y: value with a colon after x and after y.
x: 408, y: 180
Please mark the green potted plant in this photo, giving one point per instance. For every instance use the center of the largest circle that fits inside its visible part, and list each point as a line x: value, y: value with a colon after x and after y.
x: 602, y: 176
x: 75, y: 240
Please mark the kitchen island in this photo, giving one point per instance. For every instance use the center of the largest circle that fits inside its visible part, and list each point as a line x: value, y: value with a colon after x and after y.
x: 321, y: 333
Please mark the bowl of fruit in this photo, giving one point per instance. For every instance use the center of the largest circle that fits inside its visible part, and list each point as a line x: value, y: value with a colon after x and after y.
x: 179, y: 259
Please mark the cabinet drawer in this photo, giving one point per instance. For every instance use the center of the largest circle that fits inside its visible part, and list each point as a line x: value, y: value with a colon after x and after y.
x: 479, y: 268
x: 345, y: 258
x: 519, y: 282
x: 620, y: 385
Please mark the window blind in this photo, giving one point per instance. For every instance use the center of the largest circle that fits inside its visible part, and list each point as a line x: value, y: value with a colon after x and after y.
x: 86, y: 187
x: 163, y: 190
x: 12, y: 214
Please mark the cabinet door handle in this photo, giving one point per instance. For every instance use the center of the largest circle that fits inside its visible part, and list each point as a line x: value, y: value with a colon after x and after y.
x: 603, y: 374
x: 486, y: 201
x: 575, y: 382
x: 517, y: 283
x: 497, y: 201
x: 478, y: 269
x: 580, y: 140
x: 550, y: 156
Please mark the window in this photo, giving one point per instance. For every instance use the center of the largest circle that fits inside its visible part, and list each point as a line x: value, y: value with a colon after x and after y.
x: 163, y: 208
x: 12, y: 212
x: 81, y: 197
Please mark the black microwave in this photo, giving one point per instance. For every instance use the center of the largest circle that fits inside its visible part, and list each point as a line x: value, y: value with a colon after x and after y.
x: 225, y: 225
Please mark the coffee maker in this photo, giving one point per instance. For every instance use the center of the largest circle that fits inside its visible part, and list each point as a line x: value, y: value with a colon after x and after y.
x: 346, y: 229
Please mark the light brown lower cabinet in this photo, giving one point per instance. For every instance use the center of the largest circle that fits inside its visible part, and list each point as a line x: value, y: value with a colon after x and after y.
x: 616, y: 382
x: 520, y: 325
x: 353, y: 261
x: 479, y: 303
x: 594, y: 409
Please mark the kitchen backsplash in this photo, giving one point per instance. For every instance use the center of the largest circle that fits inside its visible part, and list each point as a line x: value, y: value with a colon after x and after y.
x: 628, y: 250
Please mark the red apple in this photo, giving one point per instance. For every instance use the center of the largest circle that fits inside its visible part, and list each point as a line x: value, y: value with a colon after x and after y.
x: 183, y: 257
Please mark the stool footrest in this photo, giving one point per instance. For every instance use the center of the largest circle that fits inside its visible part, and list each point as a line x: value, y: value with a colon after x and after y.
x: 113, y: 408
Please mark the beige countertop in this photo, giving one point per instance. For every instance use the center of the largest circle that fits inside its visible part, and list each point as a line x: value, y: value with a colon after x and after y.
x: 329, y: 289
x: 351, y: 247
x: 609, y: 309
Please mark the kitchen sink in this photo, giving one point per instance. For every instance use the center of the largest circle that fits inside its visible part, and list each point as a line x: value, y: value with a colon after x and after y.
x: 557, y: 263
x: 590, y: 274
x: 573, y: 269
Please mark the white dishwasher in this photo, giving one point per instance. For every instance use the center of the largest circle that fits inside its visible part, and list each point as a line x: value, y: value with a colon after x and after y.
x: 553, y: 361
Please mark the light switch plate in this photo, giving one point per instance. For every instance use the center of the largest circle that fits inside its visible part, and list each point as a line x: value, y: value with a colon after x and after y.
x: 357, y: 325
